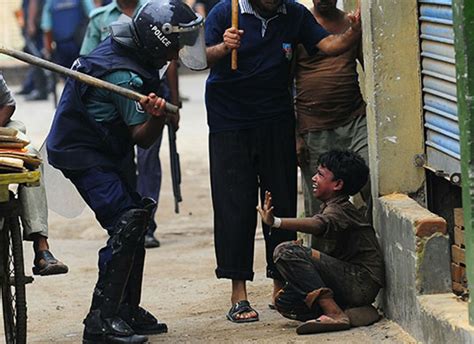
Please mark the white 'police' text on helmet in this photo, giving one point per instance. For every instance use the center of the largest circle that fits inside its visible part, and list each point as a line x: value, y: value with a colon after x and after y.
x: 163, y: 27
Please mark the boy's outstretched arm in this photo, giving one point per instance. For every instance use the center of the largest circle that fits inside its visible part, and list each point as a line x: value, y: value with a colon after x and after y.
x: 312, y: 225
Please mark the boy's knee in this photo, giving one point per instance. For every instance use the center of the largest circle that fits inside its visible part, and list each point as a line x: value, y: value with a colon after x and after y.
x: 279, y: 250
x: 286, y: 250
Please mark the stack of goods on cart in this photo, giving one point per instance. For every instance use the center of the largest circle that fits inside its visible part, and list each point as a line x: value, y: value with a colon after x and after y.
x: 14, y: 157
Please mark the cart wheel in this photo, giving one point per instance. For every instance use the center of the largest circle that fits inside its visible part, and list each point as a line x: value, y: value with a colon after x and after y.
x: 13, y: 282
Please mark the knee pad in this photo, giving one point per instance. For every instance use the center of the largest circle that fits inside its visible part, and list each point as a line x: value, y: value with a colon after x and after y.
x: 129, y: 230
x: 149, y: 204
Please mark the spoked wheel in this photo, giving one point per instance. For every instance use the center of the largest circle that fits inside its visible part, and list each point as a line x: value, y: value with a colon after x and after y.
x: 13, y: 282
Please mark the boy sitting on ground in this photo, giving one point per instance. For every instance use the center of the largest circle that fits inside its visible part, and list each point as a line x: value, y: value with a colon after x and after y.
x: 348, y: 271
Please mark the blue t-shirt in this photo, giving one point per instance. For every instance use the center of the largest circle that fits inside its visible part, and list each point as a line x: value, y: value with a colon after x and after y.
x: 259, y: 90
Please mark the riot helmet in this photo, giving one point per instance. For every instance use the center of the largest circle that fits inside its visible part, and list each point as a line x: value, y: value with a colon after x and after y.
x: 160, y: 29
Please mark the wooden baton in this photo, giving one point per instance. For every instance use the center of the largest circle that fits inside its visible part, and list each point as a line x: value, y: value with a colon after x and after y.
x: 235, y: 24
x: 82, y: 77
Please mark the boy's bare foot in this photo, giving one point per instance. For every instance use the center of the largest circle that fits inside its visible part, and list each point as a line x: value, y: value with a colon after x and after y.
x: 334, y: 319
x: 339, y: 317
x: 324, y: 323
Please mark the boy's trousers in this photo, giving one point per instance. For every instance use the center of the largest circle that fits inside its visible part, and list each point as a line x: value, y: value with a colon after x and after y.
x: 350, y: 284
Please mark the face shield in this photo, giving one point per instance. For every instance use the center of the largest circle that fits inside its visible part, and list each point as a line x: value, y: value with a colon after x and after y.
x: 191, y: 42
x: 163, y: 70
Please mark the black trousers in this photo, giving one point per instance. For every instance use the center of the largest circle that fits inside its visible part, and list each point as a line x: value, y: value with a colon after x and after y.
x: 244, y: 164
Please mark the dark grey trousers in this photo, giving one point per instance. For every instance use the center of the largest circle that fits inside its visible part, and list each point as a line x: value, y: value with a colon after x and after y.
x: 351, y: 284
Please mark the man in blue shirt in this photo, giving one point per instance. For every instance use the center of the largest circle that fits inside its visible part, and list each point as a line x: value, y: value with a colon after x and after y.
x: 252, y: 130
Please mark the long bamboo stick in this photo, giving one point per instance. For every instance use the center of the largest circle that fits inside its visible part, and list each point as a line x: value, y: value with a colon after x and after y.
x: 87, y: 79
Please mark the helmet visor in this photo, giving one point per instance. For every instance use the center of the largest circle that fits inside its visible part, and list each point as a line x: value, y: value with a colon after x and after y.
x: 193, y: 49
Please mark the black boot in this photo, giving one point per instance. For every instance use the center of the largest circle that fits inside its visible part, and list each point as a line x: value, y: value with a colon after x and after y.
x: 102, y: 324
x: 36, y: 95
x: 111, y: 330
x: 140, y: 320
x: 151, y: 241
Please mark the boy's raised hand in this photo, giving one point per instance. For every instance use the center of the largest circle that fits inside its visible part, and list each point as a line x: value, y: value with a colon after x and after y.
x: 266, y: 212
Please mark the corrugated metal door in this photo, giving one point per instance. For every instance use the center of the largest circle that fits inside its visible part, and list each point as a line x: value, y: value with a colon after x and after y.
x: 439, y: 87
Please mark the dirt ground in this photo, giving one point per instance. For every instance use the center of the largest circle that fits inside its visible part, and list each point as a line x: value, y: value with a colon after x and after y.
x: 180, y: 286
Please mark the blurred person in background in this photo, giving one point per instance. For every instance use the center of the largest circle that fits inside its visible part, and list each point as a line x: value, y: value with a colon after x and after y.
x: 203, y: 7
x: 64, y: 23
x: 34, y: 86
x: 99, y: 3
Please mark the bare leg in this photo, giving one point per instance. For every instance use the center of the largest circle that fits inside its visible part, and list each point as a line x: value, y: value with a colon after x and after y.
x: 334, y: 319
x: 277, y: 286
x: 328, y: 305
x: 40, y: 243
x: 332, y: 310
x: 239, y: 293
x: 315, y: 254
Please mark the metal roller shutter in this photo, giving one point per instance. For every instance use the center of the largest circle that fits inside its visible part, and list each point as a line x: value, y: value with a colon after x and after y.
x: 439, y: 88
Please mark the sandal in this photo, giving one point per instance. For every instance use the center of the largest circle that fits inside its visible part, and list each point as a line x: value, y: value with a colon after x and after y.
x: 323, y: 324
x: 46, y: 264
x: 241, y: 307
x: 362, y: 316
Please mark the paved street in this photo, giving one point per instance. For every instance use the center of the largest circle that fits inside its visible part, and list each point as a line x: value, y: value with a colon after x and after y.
x: 180, y: 286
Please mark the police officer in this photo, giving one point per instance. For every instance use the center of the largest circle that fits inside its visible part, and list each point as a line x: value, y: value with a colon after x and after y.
x: 64, y: 22
x: 146, y: 174
x: 91, y: 133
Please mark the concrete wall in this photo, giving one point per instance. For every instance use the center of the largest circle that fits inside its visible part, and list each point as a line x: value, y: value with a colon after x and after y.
x: 418, y: 294
x: 392, y: 88
x: 414, y: 241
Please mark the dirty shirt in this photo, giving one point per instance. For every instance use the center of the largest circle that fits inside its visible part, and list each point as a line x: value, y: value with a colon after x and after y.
x: 348, y: 236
